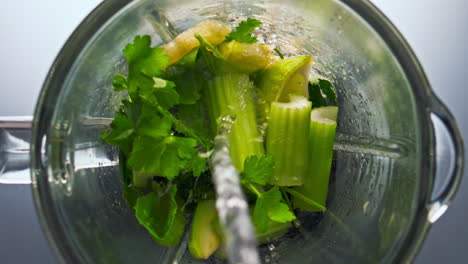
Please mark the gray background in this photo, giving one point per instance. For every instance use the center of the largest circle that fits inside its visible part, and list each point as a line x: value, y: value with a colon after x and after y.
x: 32, y: 32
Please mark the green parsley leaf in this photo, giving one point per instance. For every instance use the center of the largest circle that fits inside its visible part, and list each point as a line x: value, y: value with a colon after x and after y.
x: 320, y: 92
x: 188, y: 84
x: 269, y: 207
x: 161, y: 93
x: 161, y: 216
x: 130, y: 193
x: 195, y: 117
x: 327, y: 88
x: 119, y: 83
x: 120, y: 132
x: 213, y: 60
x: 132, y: 109
x: 153, y: 124
x: 144, y: 63
x: 243, y: 32
x: 258, y: 170
x: 198, y: 165
x: 166, y: 95
x: 163, y: 156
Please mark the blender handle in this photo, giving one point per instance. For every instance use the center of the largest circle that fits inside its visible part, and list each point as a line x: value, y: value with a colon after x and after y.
x: 449, y: 159
x: 15, y: 135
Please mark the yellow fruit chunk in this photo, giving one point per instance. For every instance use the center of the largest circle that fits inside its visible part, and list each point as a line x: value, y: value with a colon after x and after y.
x: 246, y: 57
x: 212, y: 31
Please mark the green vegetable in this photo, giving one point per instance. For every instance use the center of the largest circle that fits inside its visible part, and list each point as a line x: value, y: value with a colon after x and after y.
x: 277, y: 51
x: 144, y: 126
x: 144, y: 63
x: 321, y: 140
x: 321, y: 91
x: 287, y: 138
x: 119, y: 83
x: 165, y: 129
x: 121, y: 132
x: 231, y: 94
x: 165, y: 156
x: 195, y: 117
x: 287, y: 76
x: 269, y: 207
x: 188, y: 84
x: 258, y: 170
x: 141, y: 179
x: 161, y: 216
x: 204, y: 239
x: 243, y: 32
x: 130, y: 192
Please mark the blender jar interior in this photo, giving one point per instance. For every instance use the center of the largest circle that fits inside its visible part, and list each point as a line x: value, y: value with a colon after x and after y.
x: 375, y: 180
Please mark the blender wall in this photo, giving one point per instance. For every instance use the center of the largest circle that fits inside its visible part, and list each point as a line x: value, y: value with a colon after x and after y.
x: 375, y: 176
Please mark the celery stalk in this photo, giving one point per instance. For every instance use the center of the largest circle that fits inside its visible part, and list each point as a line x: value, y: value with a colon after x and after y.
x: 231, y: 94
x: 321, y: 139
x: 287, y: 138
x: 204, y: 240
x: 285, y: 77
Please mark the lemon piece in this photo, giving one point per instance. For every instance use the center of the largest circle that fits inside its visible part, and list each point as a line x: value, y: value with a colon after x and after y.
x: 212, y: 31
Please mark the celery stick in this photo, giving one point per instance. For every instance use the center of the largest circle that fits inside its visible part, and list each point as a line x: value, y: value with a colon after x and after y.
x: 204, y: 240
x: 321, y: 139
x: 286, y: 76
x: 287, y: 138
x: 231, y: 94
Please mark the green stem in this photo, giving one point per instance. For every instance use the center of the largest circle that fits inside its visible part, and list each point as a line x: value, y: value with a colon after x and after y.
x: 304, y: 198
x: 182, y: 128
x: 231, y: 94
x: 287, y: 137
x: 321, y: 140
x: 251, y: 187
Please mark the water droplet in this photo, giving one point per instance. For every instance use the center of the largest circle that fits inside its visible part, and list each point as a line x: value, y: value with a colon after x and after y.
x: 271, y: 247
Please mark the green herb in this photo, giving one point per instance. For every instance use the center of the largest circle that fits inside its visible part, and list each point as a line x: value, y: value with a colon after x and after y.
x: 243, y: 32
x: 161, y: 216
x: 188, y: 84
x: 121, y: 132
x: 269, y: 206
x: 144, y: 63
x: 258, y: 170
x: 165, y: 129
x: 165, y: 156
x: 119, y: 83
x: 321, y: 93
